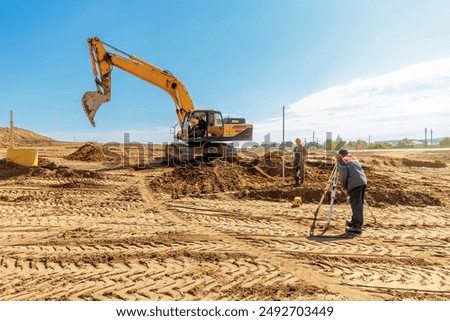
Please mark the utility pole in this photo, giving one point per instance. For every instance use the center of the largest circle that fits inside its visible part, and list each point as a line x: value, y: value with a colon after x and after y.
x: 314, y: 141
x: 425, y: 137
x: 369, y: 139
x: 431, y: 137
x: 11, y: 130
x: 283, y: 144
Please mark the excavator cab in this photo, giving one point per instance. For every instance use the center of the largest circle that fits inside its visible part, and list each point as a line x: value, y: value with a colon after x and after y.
x: 201, y: 126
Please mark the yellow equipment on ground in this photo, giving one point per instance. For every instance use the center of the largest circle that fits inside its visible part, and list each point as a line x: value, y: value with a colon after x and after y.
x: 297, y: 201
x: 20, y: 156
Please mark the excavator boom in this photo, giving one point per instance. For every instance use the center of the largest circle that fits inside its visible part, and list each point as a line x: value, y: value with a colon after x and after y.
x: 102, y: 63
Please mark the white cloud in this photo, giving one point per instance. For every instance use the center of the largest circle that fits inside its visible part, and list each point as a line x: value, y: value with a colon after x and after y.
x: 394, y: 105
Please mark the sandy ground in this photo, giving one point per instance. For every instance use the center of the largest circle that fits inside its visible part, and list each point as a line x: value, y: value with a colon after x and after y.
x: 79, y: 230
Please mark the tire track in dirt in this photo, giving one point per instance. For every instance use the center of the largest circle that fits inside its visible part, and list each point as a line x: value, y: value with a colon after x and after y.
x: 347, y: 250
x: 54, y: 210
x: 17, y: 253
x: 199, y: 228
x: 239, y: 230
x: 387, y: 276
x: 244, y: 225
x: 208, y: 229
x: 77, y: 271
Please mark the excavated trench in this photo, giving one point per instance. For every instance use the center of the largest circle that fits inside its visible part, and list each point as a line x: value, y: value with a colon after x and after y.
x: 262, y: 180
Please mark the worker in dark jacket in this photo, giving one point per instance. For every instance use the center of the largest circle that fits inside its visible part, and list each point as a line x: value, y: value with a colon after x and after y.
x: 354, y: 181
x: 300, y: 154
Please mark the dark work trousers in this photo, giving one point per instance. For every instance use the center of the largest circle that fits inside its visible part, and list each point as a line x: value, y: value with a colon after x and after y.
x: 299, y: 167
x: 357, y: 204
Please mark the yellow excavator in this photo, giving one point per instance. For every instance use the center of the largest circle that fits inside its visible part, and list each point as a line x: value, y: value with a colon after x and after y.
x: 203, y: 132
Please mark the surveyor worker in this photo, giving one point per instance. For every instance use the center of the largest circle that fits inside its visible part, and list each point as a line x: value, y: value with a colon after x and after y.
x: 354, y: 181
x: 300, y: 154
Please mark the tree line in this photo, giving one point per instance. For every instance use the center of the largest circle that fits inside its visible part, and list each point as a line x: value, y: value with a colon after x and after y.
x: 361, y: 144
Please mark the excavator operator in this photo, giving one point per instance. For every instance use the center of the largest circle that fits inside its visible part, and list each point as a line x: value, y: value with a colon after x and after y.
x: 198, y: 126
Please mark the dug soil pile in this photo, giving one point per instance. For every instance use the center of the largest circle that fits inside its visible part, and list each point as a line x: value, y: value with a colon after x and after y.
x: 22, y: 137
x: 420, y: 163
x: 262, y: 180
x: 216, y: 176
x: 255, y: 179
x: 46, y: 170
x: 92, y: 152
x: 272, y: 163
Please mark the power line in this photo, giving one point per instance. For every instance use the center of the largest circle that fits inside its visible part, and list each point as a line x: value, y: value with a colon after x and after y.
x: 36, y: 94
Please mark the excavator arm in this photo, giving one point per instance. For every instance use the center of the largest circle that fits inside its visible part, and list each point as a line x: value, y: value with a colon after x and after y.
x: 102, y: 65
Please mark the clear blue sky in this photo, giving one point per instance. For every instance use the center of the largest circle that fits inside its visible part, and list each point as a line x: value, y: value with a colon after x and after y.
x: 244, y: 57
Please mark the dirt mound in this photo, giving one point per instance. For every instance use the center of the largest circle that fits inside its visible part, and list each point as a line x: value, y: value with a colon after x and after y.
x: 309, y: 192
x: 419, y: 163
x: 272, y: 163
x: 312, y: 193
x: 63, y: 172
x: 382, y: 197
x: 22, y: 137
x: 382, y: 190
x: 8, y: 169
x: 385, y: 190
x: 76, y: 184
x: 213, y: 177
x: 92, y: 152
x: 247, y: 181
x: 263, y: 182
x: 49, y: 170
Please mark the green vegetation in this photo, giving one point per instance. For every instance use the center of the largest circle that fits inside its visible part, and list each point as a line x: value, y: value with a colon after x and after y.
x: 406, y: 143
x: 445, y: 142
x: 362, y: 145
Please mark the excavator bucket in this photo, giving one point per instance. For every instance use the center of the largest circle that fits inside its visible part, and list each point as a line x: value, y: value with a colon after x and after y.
x: 91, y: 101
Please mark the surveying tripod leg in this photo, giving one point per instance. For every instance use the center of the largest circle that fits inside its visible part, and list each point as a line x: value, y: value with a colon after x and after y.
x: 313, y: 225
x: 370, y: 211
x: 330, y: 183
x: 333, y: 197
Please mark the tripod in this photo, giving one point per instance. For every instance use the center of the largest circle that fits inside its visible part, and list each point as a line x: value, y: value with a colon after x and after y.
x: 331, y: 187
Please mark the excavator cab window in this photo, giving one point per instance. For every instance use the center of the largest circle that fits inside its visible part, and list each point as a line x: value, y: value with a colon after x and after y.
x: 195, y: 125
x: 215, y: 123
x: 218, y: 121
x: 202, y: 124
x: 186, y: 126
